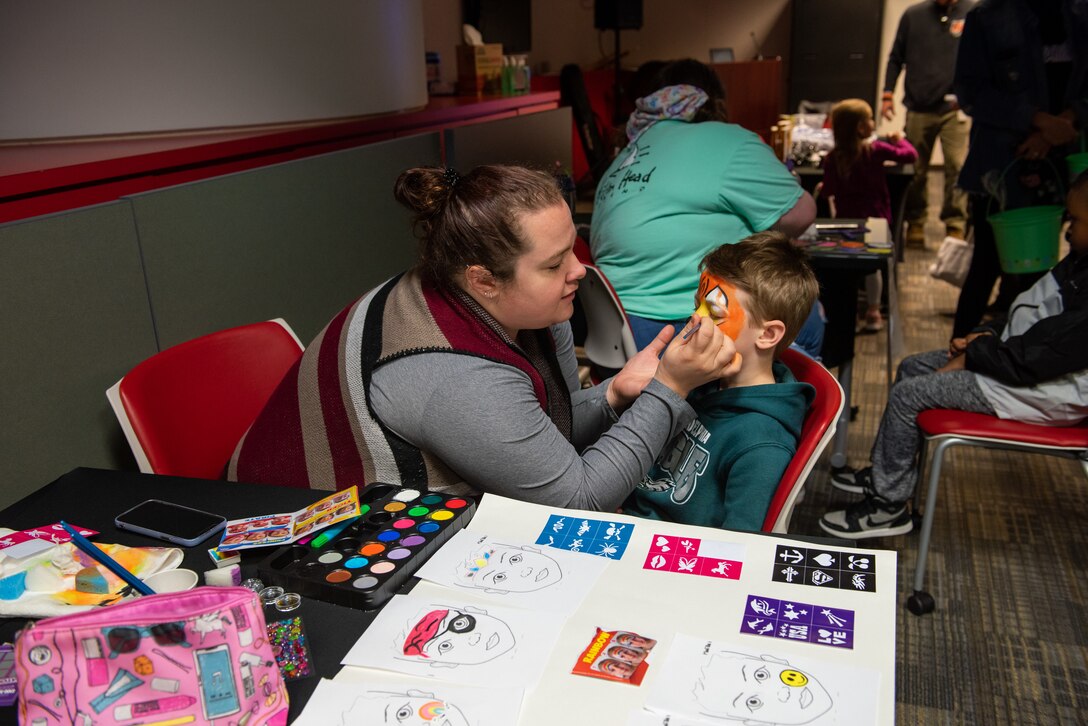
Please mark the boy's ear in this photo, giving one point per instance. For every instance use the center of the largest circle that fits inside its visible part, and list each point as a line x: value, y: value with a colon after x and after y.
x: 770, y: 334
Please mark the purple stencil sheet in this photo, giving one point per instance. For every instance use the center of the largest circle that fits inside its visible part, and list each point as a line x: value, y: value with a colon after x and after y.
x: 792, y: 620
x: 591, y: 536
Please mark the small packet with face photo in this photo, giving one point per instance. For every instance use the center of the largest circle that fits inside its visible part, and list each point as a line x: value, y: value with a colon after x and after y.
x: 616, y: 655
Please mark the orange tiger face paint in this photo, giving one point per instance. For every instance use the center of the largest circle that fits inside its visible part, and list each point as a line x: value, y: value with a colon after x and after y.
x: 716, y: 299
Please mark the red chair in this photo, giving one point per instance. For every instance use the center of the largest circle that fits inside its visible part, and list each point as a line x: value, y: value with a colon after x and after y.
x: 816, y: 433
x: 949, y: 428
x: 183, y: 410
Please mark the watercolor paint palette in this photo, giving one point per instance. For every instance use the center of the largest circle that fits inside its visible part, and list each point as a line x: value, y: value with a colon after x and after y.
x: 364, y: 565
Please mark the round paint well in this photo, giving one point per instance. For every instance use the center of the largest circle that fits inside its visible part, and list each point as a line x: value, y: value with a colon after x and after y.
x: 417, y: 511
x: 363, y: 509
x: 354, y: 563
x: 388, y: 535
x: 428, y: 527
x: 442, y: 515
x: 431, y: 499
x: 330, y: 557
x: 348, y: 544
x: 365, y: 583
x: 456, y: 504
x: 380, y: 517
x: 394, y: 506
x: 406, y: 496
x: 371, y: 548
x: 404, y: 524
x: 399, y: 553
x: 413, y: 540
x: 313, y: 569
x: 338, y: 576
x: 383, y: 567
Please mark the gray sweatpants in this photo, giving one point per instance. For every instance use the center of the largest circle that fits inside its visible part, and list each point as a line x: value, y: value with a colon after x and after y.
x: 917, y: 388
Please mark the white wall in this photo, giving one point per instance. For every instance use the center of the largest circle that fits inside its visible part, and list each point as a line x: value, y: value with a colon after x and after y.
x: 77, y: 68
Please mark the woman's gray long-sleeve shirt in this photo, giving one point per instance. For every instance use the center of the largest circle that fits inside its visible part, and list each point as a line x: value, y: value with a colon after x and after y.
x: 484, y: 421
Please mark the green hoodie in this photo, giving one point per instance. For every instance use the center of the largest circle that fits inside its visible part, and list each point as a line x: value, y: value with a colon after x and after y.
x: 723, y: 469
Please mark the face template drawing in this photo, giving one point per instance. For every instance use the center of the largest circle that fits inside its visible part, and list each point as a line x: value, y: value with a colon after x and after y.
x: 403, y: 710
x: 452, y: 637
x: 759, y: 690
x: 717, y: 300
x: 509, y: 568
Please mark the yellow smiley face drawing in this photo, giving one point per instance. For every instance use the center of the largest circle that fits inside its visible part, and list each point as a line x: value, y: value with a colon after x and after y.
x: 795, y: 679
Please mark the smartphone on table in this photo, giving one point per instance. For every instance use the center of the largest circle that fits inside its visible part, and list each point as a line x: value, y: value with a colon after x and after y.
x: 175, y: 523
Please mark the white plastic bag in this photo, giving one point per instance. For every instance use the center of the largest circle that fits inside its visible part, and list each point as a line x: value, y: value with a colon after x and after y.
x: 953, y: 260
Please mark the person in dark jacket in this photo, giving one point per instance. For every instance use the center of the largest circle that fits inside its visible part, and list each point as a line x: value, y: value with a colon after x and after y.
x: 1031, y: 367
x: 1022, y: 77
x: 925, y: 45
x: 723, y: 469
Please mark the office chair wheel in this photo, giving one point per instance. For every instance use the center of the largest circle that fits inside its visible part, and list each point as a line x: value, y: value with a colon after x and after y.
x: 921, y: 603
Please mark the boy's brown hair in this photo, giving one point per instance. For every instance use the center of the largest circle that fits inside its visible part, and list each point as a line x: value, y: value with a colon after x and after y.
x: 775, y: 275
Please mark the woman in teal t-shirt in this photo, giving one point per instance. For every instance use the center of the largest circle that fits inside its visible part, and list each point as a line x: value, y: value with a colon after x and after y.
x: 686, y: 182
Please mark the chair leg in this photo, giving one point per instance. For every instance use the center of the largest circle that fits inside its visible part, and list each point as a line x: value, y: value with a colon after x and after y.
x: 838, y: 445
x: 920, y: 468
x: 922, y: 602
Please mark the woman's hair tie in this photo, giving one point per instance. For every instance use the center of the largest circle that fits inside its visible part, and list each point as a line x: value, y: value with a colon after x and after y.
x: 451, y: 176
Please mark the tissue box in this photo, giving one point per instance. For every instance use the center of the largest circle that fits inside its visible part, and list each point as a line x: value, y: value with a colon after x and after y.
x: 479, y: 68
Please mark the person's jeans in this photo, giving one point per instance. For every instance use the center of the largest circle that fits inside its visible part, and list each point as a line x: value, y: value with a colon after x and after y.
x: 922, y: 131
x: 918, y: 387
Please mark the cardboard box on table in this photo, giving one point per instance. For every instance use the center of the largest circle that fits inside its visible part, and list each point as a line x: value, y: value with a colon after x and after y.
x: 479, y: 68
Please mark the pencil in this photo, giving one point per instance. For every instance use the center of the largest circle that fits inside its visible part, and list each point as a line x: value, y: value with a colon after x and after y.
x: 697, y: 326
x: 111, y: 564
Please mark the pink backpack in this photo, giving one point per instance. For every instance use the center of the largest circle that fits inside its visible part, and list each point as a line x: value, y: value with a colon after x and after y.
x: 190, y: 657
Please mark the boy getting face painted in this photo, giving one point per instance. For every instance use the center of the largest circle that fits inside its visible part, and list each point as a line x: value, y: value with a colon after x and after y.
x: 722, y: 470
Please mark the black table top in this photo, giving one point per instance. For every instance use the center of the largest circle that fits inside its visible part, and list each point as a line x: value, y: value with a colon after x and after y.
x: 93, y: 497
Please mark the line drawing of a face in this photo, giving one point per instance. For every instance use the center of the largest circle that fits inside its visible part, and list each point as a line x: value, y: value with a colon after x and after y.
x: 450, y: 637
x: 759, y: 690
x: 716, y: 299
x: 508, y: 568
x: 414, y: 708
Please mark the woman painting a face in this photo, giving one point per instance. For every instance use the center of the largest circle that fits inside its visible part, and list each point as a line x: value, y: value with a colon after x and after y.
x: 459, y: 374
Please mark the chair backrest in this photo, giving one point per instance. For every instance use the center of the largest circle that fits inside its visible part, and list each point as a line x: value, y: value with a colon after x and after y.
x: 609, y: 341
x: 572, y: 92
x: 183, y: 410
x: 816, y: 432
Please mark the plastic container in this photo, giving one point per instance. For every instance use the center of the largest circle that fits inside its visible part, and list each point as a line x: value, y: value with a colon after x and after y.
x: 1028, y: 238
x: 1076, y: 163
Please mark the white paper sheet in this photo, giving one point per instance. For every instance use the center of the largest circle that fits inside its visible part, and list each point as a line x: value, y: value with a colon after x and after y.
x: 375, y: 700
x: 508, y: 572
x: 710, y: 681
x: 449, y: 640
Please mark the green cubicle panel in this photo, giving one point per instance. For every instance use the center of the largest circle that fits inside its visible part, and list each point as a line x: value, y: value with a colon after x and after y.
x: 73, y: 319
x: 298, y: 240
x: 537, y: 139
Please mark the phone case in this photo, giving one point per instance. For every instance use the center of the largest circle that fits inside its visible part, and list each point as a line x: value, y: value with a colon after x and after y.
x: 184, y: 542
